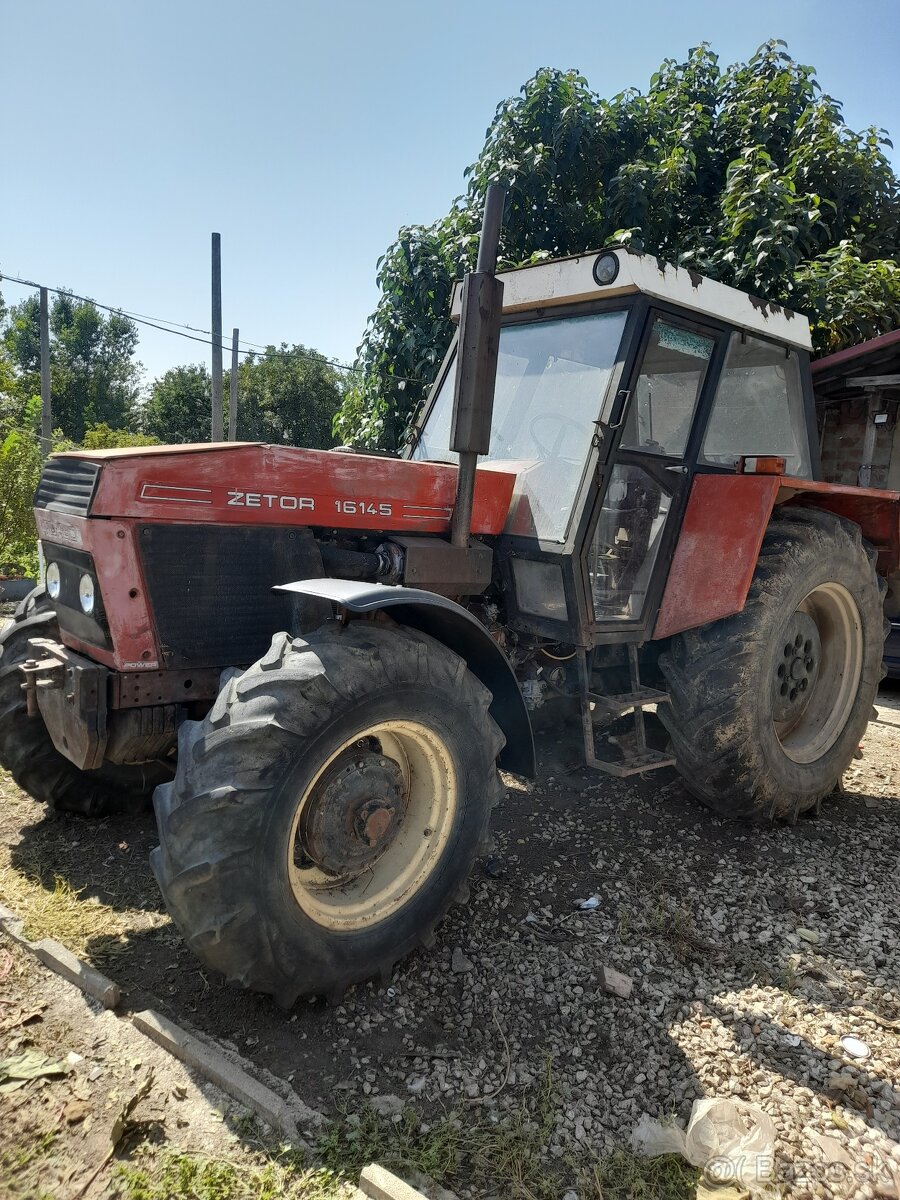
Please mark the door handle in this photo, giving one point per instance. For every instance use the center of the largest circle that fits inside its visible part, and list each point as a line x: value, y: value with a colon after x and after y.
x: 624, y: 393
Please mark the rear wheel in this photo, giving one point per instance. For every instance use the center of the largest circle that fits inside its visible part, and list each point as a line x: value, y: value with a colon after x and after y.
x: 326, y: 812
x: 26, y: 748
x: 768, y: 706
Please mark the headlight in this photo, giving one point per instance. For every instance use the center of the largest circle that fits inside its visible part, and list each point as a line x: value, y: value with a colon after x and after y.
x: 52, y: 580
x: 86, y: 594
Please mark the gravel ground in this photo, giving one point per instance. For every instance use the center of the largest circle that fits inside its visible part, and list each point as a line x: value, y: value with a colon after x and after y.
x: 752, y: 951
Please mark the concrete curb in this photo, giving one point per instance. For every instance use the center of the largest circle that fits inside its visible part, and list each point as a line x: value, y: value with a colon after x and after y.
x: 375, y: 1183
x: 7, y: 918
x: 64, y: 962
x: 215, y: 1066
x: 202, y: 1056
x: 89, y: 980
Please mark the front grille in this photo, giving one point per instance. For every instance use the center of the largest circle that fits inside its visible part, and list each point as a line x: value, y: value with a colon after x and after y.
x: 67, y: 485
x: 210, y: 589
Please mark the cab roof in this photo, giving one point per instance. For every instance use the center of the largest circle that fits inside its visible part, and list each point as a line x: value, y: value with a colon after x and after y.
x: 572, y: 281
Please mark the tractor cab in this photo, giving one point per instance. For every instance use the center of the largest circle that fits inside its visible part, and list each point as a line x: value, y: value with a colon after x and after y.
x: 619, y: 380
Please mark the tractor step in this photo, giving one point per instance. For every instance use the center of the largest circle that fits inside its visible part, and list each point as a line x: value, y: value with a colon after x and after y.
x: 632, y: 764
x: 594, y: 705
x: 615, y: 706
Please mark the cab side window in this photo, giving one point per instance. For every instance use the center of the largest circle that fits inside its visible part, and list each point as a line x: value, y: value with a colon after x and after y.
x: 661, y: 412
x: 758, y: 407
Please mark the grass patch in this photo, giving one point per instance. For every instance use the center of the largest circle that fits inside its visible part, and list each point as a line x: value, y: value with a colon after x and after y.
x: 626, y: 1176
x: 787, y: 978
x: 675, y: 923
x: 623, y: 923
x: 500, y: 1156
x: 436, y: 1150
x: 67, y: 915
x: 14, y: 1162
x: 174, y: 1175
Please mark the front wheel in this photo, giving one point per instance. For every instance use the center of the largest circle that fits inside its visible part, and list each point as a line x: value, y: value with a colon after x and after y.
x: 326, y: 812
x: 769, y: 706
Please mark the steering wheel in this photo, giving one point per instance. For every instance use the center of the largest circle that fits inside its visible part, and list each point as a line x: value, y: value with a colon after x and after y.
x: 562, y: 424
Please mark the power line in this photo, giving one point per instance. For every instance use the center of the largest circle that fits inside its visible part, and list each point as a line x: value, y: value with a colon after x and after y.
x: 177, y: 329
x: 181, y: 330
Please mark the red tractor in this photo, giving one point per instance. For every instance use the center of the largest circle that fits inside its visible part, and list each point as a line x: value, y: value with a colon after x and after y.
x: 319, y: 660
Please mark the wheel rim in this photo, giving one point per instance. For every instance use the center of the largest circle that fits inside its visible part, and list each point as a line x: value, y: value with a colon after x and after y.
x: 369, y: 829
x: 817, y: 670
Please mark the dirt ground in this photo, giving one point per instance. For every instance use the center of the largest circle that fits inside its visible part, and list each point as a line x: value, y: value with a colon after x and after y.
x: 57, y: 1129
x: 752, y: 952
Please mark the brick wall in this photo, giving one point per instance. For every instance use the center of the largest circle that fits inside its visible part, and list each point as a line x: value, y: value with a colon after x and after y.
x: 842, y: 445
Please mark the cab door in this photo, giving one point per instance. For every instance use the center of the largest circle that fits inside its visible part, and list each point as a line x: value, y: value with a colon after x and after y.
x: 644, y: 481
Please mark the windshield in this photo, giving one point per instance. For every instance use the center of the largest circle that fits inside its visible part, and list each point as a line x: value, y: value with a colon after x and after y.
x: 552, y: 377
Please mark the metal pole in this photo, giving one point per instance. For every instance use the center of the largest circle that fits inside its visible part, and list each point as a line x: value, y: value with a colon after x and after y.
x: 233, y: 398
x: 873, y: 404
x: 218, y: 434
x: 46, y: 404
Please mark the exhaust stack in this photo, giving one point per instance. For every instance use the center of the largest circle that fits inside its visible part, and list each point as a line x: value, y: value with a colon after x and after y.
x: 476, y: 365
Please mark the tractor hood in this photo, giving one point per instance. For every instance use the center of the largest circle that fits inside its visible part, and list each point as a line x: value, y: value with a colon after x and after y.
x: 252, y: 483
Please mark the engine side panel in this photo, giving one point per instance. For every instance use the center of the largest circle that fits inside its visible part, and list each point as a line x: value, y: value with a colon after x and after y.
x: 282, y: 485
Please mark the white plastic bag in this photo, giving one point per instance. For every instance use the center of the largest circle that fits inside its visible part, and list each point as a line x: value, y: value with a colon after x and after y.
x: 734, y: 1142
x: 652, y: 1138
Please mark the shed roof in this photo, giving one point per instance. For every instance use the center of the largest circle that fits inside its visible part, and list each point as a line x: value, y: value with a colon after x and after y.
x: 877, y: 356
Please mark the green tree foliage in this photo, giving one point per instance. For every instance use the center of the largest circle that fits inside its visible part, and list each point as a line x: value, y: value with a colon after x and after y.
x: 20, y: 469
x: 94, y: 373
x: 178, y: 409
x: 287, y: 394
x: 101, y: 437
x: 7, y: 371
x: 747, y: 174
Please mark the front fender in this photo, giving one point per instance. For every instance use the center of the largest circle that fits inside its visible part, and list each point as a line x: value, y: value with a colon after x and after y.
x: 451, y: 624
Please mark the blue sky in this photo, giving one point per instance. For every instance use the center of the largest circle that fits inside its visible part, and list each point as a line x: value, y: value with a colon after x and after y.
x: 307, y: 133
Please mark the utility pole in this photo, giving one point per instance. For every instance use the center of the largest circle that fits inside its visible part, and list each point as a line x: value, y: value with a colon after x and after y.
x: 46, y: 408
x: 233, y: 398
x: 218, y: 434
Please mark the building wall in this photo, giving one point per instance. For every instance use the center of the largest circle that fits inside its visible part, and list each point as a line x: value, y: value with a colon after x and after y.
x: 843, y: 440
